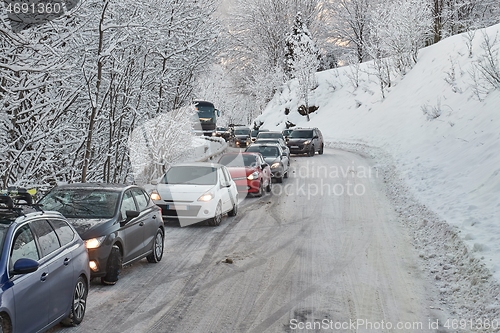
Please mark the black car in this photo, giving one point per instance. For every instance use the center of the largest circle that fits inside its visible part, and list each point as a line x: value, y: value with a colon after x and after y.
x: 44, y: 267
x: 305, y: 141
x: 223, y: 132
x: 241, y: 137
x: 119, y: 223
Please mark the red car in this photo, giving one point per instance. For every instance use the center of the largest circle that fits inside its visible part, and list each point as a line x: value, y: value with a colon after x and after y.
x: 249, y: 171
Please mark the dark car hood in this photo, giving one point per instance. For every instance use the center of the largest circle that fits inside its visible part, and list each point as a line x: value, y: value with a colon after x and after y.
x: 90, y: 228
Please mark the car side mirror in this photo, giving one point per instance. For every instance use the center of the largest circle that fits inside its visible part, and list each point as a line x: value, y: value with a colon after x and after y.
x: 25, y: 266
x: 265, y: 165
x: 130, y: 214
x: 284, y: 154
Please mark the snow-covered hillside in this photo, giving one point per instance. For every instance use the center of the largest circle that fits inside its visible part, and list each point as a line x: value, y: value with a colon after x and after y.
x: 441, y: 127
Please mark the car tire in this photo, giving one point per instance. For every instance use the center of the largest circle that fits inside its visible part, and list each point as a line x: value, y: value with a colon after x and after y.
x: 286, y: 174
x: 261, y: 189
x: 311, y: 152
x: 321, y: 150
x: 269, y: 186
x: 216, y: 220
x: 157, y: 253
x: 79, y: 304
x: 5, y: 324
x: 113, y: 267
x: 234, y: 211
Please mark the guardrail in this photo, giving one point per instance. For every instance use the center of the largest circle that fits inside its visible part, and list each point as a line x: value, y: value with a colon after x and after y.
x: 218, y: 151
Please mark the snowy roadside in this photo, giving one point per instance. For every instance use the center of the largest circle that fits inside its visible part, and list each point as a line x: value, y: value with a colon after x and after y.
x: 467, y: 287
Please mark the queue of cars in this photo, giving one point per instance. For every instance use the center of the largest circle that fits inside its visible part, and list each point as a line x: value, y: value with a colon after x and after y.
x: 76, y: 232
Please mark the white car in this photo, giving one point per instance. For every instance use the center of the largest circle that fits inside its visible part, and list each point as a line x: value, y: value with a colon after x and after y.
x: 195, y: 192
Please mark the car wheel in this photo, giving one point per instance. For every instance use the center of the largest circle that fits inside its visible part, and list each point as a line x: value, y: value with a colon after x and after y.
x: 113, y: 267
x: 79, y: 304
x: 157, y: 253
x: 234, y: 211
x: 321, y: 150
x: 216, y: 220
x: 269, y: 186
x: 261, y: 189
x: 311, y: 151
x: 5, y: 324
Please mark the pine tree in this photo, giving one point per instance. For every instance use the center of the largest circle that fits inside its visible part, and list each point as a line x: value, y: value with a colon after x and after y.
x: 301, y: 59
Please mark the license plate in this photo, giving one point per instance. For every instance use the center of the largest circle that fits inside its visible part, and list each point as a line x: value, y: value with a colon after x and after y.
x: 294, y: 147
x: 177, y: 207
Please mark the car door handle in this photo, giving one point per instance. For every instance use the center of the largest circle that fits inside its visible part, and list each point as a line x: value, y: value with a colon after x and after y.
x: 44, y: 276
x: 141, y: 224
x: 154, y: 217
x: 66, y: 261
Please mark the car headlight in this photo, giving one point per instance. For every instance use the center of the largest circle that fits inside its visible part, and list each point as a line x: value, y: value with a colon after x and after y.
x: 94, y: 243
x: 275, y: 165
x: 307, y: 142
x: 254, y: 175
x: 206, y: 197
x: 155, y: 196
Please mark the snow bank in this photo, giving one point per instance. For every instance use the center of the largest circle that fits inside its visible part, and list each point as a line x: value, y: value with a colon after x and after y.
x: 439, y: 125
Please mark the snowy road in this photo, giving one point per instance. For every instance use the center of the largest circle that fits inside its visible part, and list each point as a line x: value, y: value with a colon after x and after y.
x: 328, y: 249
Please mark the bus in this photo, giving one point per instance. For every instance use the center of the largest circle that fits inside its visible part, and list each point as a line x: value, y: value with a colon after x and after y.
x: 206, y: 122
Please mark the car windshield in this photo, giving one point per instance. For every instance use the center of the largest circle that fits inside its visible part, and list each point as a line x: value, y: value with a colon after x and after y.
x: 237, y: 160
x: 241, y: 132
x: 301, y: 134
x: 82, y: 202
x: 269, y: 135
x: 266, y: 151
x: 193, y: 175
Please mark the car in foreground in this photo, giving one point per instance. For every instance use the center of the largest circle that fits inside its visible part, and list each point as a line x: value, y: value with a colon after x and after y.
x: 305, y: 141
x: 196, y: 192
x: 241, y: 137
x: 275, y: 157
x: 249, y: 171
x: 279, y: 141
x: 44, y: 267
x: 119, y: 223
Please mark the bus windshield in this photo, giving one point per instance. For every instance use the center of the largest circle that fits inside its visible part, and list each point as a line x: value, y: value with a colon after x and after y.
x: 206, y: 112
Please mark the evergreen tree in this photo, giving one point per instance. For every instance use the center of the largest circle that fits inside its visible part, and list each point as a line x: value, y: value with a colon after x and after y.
x: 302, y: 59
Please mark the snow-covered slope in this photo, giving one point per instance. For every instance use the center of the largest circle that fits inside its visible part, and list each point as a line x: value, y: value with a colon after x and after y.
x: 452, y: 162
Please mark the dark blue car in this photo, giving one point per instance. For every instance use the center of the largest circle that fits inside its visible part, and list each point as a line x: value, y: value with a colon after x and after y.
x: 44, y: 268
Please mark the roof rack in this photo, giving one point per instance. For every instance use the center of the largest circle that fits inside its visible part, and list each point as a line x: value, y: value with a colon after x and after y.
x: 13, y: 198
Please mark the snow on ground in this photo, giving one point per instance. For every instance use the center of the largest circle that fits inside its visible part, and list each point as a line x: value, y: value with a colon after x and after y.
x: 448, y: 165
